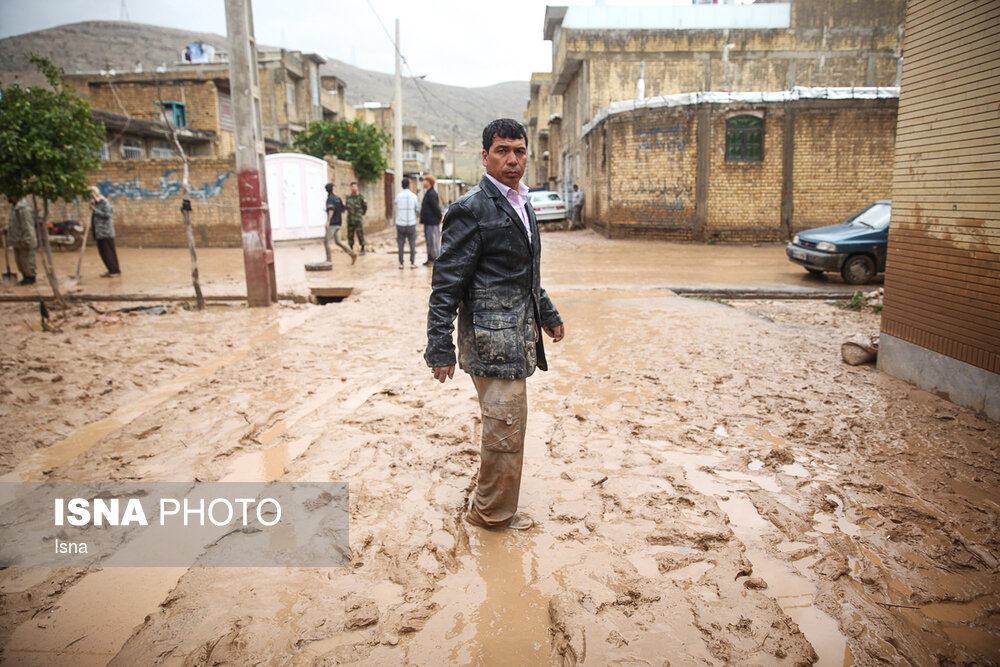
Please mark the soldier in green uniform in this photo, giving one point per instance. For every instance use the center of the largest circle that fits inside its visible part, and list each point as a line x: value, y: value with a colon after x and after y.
x: 356, y: 209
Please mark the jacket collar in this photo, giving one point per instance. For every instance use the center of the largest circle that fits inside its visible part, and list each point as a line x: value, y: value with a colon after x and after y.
x: 491, y: 190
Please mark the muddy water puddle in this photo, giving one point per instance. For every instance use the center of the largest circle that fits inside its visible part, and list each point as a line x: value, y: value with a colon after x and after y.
x: 492, y: 611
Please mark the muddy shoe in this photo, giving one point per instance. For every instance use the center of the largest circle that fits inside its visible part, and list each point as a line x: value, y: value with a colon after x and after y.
x: 354, y: 257
x: 520, y: 522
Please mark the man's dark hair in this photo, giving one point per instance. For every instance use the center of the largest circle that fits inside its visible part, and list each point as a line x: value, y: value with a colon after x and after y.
x: 354, y: 182
x: 505, y: 128
x: 329, y: 188
x: 406, y: 184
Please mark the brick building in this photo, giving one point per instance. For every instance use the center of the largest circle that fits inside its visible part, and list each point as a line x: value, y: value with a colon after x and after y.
x: 737, y: 166
x: 140, y: 172
x: 941, y: 317
x: 604, y: 56
x: 195, y: 97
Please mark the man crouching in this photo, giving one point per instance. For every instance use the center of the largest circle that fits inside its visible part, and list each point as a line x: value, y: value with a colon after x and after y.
x: 488, y: 272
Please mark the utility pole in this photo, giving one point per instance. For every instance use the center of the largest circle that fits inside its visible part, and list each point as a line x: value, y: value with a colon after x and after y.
x: 454, y: 185
x: 397, y: 120
x: 258, y: 252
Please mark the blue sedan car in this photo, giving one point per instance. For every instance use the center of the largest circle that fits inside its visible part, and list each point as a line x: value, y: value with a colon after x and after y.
x: 855, y: 248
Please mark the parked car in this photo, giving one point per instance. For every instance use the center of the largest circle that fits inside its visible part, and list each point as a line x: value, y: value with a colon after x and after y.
x: 549, y: 206
x: 856, y: 248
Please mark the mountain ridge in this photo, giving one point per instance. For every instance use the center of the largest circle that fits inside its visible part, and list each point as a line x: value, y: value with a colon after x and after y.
x: 92, y: 46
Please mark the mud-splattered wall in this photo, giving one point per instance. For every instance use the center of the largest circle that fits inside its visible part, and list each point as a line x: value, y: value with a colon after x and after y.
x: 656, y: 172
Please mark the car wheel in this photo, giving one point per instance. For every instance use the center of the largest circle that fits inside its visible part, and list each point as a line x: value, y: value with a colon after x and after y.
x: 858, y: 270
x: 816, y: 273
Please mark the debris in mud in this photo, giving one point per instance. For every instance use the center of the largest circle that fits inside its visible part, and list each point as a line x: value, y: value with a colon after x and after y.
x: 777, y: 457
x: 755, y: 584
x: 860, y: 349
x: 361, y: 612
x: 145, y: 310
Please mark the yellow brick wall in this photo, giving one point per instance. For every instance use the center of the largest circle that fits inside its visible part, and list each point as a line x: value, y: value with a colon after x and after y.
x: 646, y: 185
x: 648, y: 176
x: 843, y: 161
x: 744, y: 198
x: 201, y: 102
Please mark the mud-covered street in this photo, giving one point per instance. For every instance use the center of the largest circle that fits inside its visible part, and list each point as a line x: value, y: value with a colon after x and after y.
x: 712, y: 484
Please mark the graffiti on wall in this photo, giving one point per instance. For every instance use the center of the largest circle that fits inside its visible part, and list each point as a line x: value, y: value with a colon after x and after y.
x: 665, y: 203
x: 132, y: 189
x: 662, y: 138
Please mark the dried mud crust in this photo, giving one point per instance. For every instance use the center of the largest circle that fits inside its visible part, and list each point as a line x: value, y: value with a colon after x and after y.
x: 689, y: 463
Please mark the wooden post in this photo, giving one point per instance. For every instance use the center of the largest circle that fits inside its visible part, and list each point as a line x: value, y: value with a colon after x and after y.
x: 258, y: 252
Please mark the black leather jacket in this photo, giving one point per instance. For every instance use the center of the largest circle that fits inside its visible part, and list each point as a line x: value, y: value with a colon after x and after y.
x: 489, y: 274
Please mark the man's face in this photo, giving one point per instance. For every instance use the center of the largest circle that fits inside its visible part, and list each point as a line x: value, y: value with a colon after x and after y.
x: 427, y: 184
x: 506, y: 160
x: 354, y: 188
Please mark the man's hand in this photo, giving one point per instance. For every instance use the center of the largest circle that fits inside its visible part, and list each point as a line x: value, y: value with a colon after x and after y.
x: 442, y: 373
x: 556, y: 333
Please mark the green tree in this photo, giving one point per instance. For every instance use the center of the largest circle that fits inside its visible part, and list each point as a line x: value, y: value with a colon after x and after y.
x: 361, y: 144
x: 48, y: 142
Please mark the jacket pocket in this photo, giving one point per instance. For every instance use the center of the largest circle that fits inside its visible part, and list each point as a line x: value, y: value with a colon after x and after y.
x: 502, y: 427
x: 496, y: 336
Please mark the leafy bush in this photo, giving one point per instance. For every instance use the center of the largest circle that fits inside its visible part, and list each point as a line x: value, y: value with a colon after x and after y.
x: 359, y: 143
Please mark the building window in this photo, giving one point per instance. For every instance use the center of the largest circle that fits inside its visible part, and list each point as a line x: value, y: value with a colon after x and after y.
x: 174, y: 112
x: 745, y: 139
x: 105, y: 153
x: 163, y: 149
x: 131, y: 149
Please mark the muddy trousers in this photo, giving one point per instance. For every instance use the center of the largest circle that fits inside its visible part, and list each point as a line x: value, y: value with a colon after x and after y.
x: 504, y: 406
x: 333, y: 232
x: 25, y: 260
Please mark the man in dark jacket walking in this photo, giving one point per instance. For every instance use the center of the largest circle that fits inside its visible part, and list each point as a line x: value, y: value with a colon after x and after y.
x: 430, y: 218
x: 488, y: 273
x: 334, y: 208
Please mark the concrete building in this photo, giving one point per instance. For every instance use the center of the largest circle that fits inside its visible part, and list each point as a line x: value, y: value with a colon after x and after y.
x: 604, y: 57
x: 542, y: 106
x: 941, y: 317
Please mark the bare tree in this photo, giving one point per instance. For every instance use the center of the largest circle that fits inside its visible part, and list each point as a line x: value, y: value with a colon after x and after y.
x: 186, y: 205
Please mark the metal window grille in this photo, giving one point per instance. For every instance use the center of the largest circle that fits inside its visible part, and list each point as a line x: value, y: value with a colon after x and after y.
x: 745, y: 139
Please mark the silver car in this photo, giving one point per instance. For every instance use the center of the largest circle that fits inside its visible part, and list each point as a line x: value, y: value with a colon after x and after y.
x: 548, y: 205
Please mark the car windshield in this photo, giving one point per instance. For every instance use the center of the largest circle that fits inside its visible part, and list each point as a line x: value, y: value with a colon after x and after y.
x: 875, y: 216
x: 544, y: 196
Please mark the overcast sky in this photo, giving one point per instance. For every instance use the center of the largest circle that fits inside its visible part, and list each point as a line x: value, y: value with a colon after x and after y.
x: 462, y: 43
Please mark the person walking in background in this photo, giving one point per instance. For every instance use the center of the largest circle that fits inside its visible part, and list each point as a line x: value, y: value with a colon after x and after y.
x: 406, y: 223
x: 430, y: 218
x: 356, y: 209
x: 334, y: 208
x: 22, y: 238
x: 577, y: 207
x: 489, y: 274
x: 104, y: 232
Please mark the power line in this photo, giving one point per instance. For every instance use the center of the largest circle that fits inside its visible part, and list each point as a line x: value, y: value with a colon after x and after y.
x: 416, y: 81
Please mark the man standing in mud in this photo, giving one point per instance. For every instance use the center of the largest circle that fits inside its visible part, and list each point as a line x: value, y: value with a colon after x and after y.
x: 488, y: 273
